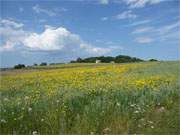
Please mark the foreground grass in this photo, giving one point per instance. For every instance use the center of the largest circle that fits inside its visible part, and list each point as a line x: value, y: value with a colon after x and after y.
x: 108, y: 99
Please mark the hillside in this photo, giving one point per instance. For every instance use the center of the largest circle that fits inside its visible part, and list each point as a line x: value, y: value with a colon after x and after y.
x: 134, y: 98
x: 108, y: 59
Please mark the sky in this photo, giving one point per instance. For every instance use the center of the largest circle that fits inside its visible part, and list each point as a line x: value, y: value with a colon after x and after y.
x: 35, y: 31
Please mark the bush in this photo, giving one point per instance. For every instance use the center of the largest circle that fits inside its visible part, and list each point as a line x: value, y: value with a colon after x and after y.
x: 153, y: 60
x: 55, y: 63
x: 19, y: 66
x: 43, y: 64
x: 108, y: 59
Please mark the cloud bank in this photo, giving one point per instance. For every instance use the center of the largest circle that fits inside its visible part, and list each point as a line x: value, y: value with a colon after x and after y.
x: 51, y: 39
x: 168, y: 32
x: 61, y: 39
x: 126, y: 15
x: 141, y: 3
x: 38, y: 10
x: 144, y: 40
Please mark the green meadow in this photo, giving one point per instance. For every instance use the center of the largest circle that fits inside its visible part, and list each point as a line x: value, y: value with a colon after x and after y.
x: 91, y: 99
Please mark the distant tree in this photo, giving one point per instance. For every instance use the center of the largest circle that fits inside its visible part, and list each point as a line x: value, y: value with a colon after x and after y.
x: 43, y: 64
x: 153, y: 60
x: 19, y: 66
x: 55, y: 63
x: 72, y: 61
x: 52, y: 64
x: 79, y: 60
x: 35, y: 64
x: 108, y: 59
x: 124, y: 58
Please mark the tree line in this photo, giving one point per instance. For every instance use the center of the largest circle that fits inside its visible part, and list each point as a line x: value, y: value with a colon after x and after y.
x: 109, y: 59
x: 103, y: 59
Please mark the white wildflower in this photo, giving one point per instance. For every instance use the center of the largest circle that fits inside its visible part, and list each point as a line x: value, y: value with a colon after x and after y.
x: 151, y: 122
x: 161, y: 109
x: 26, y: 98
x: 118, y: 104
x: 42, y: 120
x: 21, y: 117
x: 29, y: 109
x: 142, y: 119
x: 107, y: 130
x: 6, y: 99
x: 136, y: 111
x: 133, y: 105
x: 34, y: 132
x: 3, y: 121
x: 57, y: 101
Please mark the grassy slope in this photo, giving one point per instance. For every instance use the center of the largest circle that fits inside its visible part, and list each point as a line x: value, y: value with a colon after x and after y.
x: 90, y: 109
x: 11, y: 71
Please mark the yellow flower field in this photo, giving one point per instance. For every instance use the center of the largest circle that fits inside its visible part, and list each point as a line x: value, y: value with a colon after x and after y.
x: 112, y: 98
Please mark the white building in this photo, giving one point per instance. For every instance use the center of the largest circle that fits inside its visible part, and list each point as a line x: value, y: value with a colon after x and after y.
x: 98, y: 61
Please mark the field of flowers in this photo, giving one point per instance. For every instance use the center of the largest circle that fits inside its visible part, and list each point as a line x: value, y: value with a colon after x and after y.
x: 138, y: 98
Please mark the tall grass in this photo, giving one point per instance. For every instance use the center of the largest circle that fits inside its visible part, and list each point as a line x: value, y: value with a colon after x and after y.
x: 125, y: 109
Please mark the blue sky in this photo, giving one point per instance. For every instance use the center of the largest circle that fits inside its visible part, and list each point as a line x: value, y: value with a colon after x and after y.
x: 60, y: 31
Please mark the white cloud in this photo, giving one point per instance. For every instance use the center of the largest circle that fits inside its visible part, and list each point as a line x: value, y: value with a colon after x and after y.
x: 167, y: 32
x: 104, y: 2
x: 96, y: 50
x: 142, y: 30
x: 38, y: 10
x: 61, y: 39
x: 11, y: 38
x: 126, y: 15
x: 49, y: 27
x: 171, y: 31
x: 139, y: 23
x: 174, y: 36
x: 61, y: 9
x: 52, y: 39
x: 170, y: 27
x: 141, y: 3
x: 104, y: 18
x: 7, y: 47
x: 11, y: 34
x: 11, y: 23
x: 144, y: 40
